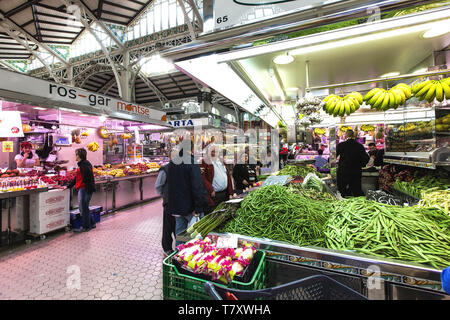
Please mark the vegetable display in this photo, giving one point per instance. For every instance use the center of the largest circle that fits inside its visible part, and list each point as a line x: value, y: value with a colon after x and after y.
x: 221, y: 214
x: 293, y: 170
x: 406, y: 233
x: 277, y: 213
x: 313, y: 182
x: 419, y: 186
x: 436, y: 199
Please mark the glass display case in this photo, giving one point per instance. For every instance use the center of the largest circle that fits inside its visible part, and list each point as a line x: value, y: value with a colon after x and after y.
x: 415, y: 139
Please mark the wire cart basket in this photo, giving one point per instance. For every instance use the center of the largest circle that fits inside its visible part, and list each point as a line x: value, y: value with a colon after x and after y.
x: 317, y: 287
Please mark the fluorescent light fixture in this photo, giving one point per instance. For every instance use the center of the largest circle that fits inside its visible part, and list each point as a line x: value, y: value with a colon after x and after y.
x: 330, y: 1
x: 39, y: 108
x: 390, y: 74
x: 283, y: 59
x: 436, y: 31
x: 69, y: 110
x: 421, y: 70
x: 84, y: 115
x: 292, y: 89
x: 353, y: 34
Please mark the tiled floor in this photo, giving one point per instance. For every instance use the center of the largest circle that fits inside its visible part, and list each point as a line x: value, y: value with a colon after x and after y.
x: 120, y: 259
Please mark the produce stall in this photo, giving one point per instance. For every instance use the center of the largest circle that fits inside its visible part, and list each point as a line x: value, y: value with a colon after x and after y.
x: 304, y: 230
x: 112, y: 131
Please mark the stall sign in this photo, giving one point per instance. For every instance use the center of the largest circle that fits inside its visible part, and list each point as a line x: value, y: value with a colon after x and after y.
x: 8, y: 146
x: 229, y: 13
x: 14, y: 82
x: 188, y: 123
x: 10, y: 124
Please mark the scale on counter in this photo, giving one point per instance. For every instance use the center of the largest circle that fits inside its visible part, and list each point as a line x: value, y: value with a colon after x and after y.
x: 62, y: 140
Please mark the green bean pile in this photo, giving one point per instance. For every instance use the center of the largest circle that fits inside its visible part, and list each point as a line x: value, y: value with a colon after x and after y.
x: 405, y: 233
x: 310, y: 193
x: 294, y: 170
x: 276, y: 213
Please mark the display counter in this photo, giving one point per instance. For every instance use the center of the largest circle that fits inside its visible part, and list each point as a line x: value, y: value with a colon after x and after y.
x: 369, y: 180
x: 117, y: 193
x: 13, y: 214
x: 376, y: 278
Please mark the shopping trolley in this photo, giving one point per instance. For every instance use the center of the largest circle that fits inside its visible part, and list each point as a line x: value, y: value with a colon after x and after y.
x: 317, y: 287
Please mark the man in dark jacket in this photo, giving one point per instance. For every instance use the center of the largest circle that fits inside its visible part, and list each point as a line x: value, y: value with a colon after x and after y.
x: 84, y: 182
x: 162, y: 187
x: 352, y: 158
x: 187, y: 194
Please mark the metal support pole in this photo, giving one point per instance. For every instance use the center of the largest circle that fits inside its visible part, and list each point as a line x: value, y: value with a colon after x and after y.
x: 186, y: 18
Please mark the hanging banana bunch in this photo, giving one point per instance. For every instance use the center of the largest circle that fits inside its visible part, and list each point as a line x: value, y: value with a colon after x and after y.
x: 383, y: 100
x: 338, y: 106
x: 432, y: 89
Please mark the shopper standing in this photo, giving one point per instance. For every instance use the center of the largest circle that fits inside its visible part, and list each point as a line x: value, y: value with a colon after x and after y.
x: 216, y: 177
x: 162, y: 187
x: 244, y: 174
x: 352, y: 158
x: 84, y: 182
x: 186, y: 190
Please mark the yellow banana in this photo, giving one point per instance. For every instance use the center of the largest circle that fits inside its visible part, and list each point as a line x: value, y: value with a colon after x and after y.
x: 343, y: 108
x: 329, y: 97
x: 385, y: 104
x: 392, y: 100
x: 347, y: 107
x: 353, y: 103
x: 380, y: 100
x: 358, y: 96
x: 446, y: 88
x: 424, y: 89
x: 401, y: 95
x: 405, y: 88
x: 418, y: 86
x: 439, y: 92
x: 331, y: 105
x: 337, y: 108
x: 374, y: 99
x: 431, y: 92
x: 371, y: 93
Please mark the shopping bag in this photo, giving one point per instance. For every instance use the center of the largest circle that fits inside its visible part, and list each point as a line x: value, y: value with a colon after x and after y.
x: 193, y: 221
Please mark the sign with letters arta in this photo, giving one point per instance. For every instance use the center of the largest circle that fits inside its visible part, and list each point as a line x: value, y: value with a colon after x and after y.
x: 184, y: 123
x: 229, y: 13
x: 82, y: 99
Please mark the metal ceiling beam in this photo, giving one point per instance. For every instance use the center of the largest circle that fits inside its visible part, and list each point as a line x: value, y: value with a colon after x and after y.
x: 107, y: 86
x: 15, y: 27
x: 93, y: 18
x: 187, y: 20
x: 18, y: 9
x: 7, y: 65
x: 161, y: 96
x: 197, y: 14
x: 27, y: 46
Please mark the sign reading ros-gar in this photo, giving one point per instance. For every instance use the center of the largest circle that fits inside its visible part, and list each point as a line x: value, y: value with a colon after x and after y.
x: 228, y: 13
x: 11, y: 82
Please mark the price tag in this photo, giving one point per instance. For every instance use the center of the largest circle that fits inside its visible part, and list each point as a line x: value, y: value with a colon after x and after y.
x: 227, y: 242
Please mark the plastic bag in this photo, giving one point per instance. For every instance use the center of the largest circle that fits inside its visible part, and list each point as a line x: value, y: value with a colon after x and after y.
x: 193, y: 221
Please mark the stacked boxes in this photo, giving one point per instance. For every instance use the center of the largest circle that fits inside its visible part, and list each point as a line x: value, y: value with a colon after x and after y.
x: 49, y: 211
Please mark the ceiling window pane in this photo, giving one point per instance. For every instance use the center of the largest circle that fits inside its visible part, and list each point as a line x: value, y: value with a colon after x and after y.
x: 165, y: 15
x: 143, y: 27
x: 157, y: 18
x: 150, y: 22
x: 173, y: 15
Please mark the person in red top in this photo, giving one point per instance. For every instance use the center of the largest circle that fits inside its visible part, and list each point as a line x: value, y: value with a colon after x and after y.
x: 84, y: 182
x: 216, y: 177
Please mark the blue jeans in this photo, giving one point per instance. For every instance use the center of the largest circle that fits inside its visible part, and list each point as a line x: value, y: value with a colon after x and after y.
x: 83, y: 204
x: 181, y: 224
